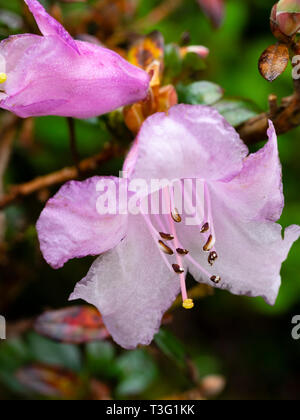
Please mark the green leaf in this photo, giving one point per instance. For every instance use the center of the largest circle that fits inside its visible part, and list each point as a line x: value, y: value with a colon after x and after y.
x: 171, y: 346
x: 236, y: 110
x: 138, y: 371
x: 49, y: 352
x: 207, y: 365
x: 100, y: 359
x: 172, y: 62
x: 199, y: 93
x: 193, y: 62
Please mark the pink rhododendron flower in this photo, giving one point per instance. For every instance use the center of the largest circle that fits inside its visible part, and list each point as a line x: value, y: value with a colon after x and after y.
x: 55, y: 75
x: 235, y: 244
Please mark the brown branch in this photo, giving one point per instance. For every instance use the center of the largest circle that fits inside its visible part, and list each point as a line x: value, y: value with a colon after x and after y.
x: 285, y: 118
x: 7, y: 135
x: 61, y: 176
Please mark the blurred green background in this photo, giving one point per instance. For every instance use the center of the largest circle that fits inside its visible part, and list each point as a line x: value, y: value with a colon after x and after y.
x: 243, y: 339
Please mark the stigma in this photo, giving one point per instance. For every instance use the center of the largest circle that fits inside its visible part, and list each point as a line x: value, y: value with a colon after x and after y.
x: 188, y: 304
x: 3, y: 77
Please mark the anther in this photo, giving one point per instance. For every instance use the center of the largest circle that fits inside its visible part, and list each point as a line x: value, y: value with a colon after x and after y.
x: 188, y: 304
x: 176, y: 216
x: 164, y: 248
x: 209, y: 244
x: 3, y: 77
x: 181, y: 251
x: 166, y: 236
x: 178, y: 269
x: 212, y: 257
x: 204, y: 228
x: 215, y: 279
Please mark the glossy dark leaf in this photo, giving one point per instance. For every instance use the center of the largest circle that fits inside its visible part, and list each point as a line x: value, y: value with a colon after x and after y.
x: 236, y: 110
x: 199, y: 93
x: 170, y: 346
x: 137, y: 372
x: 77, y: 324
x: 273, y: 61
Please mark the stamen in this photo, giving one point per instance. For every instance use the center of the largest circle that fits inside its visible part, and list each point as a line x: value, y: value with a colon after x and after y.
x: 215, y: 279
x: 3, y: 77
x: 188, y: 304
x: 209, y: 244
x: 176, y: 216
x: 212, y: 257
x: 167, y: 250
x: 182, y: 251
x: 166, y: 236
x: 154, y: 235
x: 209, y: 210
x: 178, y: 269
x: 205, y: 228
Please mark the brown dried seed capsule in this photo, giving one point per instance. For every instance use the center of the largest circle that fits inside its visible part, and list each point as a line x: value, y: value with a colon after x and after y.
x: 205, y: 228
x: 215, y: 279
x: 212, y: 257
x: 181, y: 251
x: 165, y: 248
x: 209, y: 244
x: 178, y: 269
x: 166, y: 236
x: 176, y: 216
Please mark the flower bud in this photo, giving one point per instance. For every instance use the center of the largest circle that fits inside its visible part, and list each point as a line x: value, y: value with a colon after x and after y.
x: 288, y: 16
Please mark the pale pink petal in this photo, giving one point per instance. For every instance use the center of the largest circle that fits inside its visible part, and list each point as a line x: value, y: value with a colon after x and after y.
x: 131, y: 286
x: 48, y: 25
x: 71, y: 227
x: 250, y: 253
x: 190, y: 142
x: 256, y: 193
x: 130, y: 161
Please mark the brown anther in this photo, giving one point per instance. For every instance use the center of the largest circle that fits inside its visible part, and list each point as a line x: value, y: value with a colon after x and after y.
x: 164, y: 248
x: 215, y: 279
x: 205, y: 228
x: 176, y: 216
x: 181, y: 251
x: 209, y: 244
x: 177, y: 269
x: 166, y: 236
x: 212, y: 257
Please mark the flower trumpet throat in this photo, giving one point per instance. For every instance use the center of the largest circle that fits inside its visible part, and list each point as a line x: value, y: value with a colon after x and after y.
x: 173, y: 253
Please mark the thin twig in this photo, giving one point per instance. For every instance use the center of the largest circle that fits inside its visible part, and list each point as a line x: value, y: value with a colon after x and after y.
x: 6, y: 140
x: 59, y: 177
x: 286, y: 117
x: 73, y: 143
